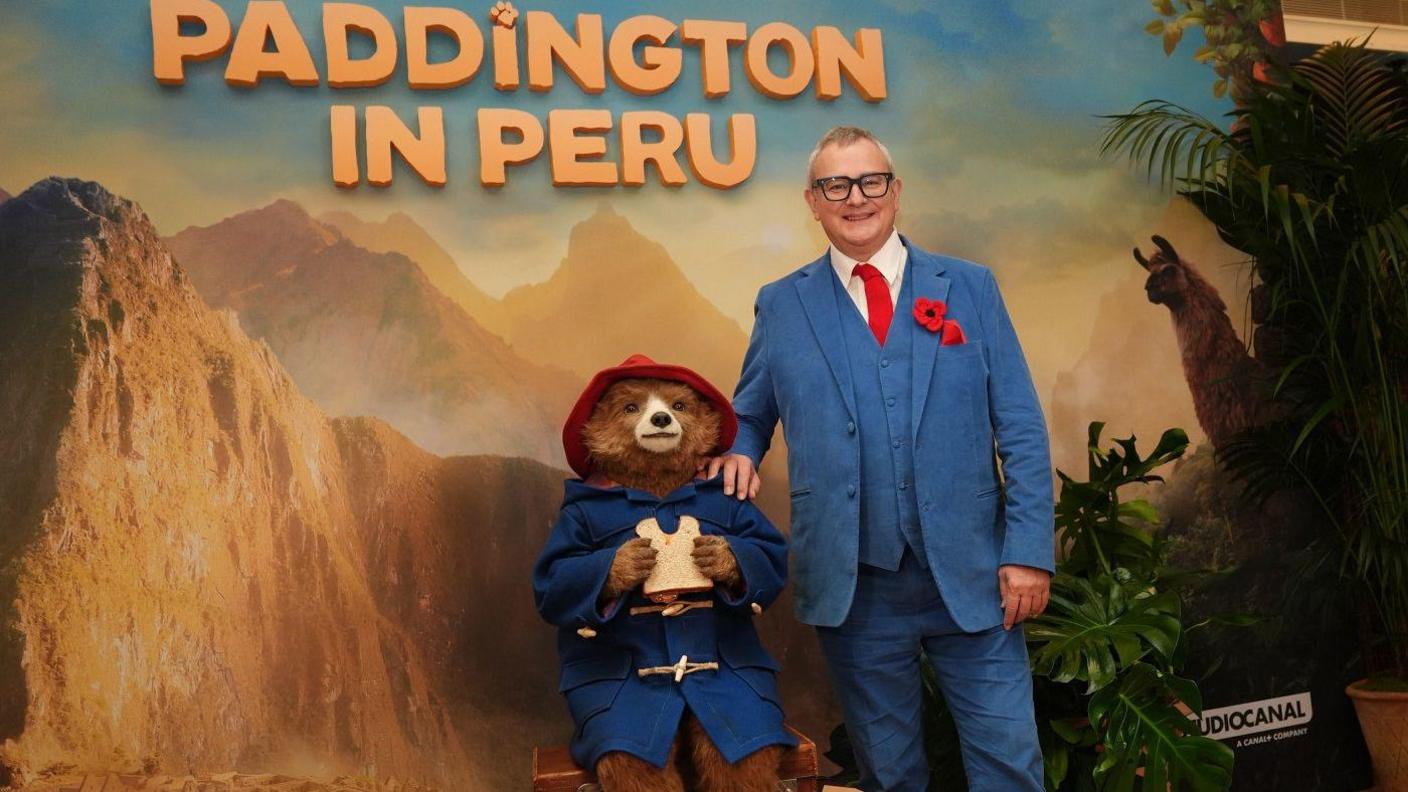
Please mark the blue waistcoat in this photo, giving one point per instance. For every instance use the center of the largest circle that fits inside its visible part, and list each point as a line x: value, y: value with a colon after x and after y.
x: 881, y: 377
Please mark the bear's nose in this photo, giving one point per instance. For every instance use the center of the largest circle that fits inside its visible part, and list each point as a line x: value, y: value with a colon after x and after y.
x: 661, y: 419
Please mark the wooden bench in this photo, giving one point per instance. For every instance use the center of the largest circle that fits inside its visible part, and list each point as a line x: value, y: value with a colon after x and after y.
x: 554, y: 770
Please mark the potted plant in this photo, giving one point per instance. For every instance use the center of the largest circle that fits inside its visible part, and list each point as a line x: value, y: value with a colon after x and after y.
x: 1108, y: 651
x: 1311, y: 181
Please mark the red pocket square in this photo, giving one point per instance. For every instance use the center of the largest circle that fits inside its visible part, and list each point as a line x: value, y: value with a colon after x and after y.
x: 952, y: 333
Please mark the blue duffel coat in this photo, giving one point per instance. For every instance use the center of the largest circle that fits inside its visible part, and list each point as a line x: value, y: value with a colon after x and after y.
x: 616, y: 709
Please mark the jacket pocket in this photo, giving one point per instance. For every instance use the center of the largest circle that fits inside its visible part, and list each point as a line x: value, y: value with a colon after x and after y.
x: 965, y: 349
x: 593, y: 669
x: 749, y: 661
x: 989, y: 492
x: 592, y: 684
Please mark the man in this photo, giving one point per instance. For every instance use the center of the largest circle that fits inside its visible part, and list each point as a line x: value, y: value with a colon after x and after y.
x: 896, y: 374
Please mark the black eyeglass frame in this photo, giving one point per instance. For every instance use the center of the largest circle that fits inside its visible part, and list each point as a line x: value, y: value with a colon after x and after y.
x: 852, y: 183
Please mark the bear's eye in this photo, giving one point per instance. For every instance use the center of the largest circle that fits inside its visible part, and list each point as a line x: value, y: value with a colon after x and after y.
x: 679, y: 405
x: 630, y: 408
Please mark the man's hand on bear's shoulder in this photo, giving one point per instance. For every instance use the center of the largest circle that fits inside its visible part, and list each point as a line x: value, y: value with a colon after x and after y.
x: 715, y: 559
x: 634, y: 562
x: 739, y: 474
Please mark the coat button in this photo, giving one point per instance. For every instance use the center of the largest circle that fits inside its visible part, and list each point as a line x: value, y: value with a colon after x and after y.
x: 894, y: 444
x: 851, y: 490
x: 850, y: 427
x: 890, y: 402
x: 904, y: 485
x: 884, y: 362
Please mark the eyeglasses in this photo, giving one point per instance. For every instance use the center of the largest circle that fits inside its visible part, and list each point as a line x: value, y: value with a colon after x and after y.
x: 838, y: 188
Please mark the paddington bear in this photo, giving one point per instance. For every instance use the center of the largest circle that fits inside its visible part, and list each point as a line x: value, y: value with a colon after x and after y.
x: 670, y: 690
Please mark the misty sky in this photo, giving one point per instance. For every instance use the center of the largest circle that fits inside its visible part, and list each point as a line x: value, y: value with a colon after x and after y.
x: 991, y: 117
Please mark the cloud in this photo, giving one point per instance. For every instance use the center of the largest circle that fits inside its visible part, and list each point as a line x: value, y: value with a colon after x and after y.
x: 24, y: 103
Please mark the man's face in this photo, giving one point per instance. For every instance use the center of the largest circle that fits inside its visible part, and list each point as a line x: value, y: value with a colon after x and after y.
x: 857, y: 226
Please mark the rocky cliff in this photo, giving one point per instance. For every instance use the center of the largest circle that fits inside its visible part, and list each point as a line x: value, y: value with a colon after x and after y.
x: 199, y: 570
x: 367, y: 333
x: 399, y: 233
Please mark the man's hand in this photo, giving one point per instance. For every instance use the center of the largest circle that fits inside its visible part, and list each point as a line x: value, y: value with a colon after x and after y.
x: 739, y: 475
x: 1025, y: 592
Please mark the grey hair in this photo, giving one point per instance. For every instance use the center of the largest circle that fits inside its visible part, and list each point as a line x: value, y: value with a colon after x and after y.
x: 845, y: 136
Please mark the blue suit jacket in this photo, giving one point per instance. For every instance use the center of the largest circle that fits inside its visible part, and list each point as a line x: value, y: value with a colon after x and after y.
x: 969, y: 400
x: 613, y: 707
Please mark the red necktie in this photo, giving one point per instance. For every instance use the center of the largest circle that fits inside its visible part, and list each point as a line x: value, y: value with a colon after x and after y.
x: 877, y: 299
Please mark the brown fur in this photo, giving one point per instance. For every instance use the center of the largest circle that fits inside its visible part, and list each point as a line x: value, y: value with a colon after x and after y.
x: 714, y: 558
x: 708, y: 770
x: 633, y: 563
x: 1228, y: 385
x: 695, y: 763
x: 611, y: 442
x: 622, y: 772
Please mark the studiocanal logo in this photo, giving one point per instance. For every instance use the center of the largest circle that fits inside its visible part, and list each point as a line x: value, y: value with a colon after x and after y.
x: 1258, y: 722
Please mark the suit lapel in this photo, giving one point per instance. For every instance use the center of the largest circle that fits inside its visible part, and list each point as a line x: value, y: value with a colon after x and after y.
x: 818, y: 297
x: 927, y: 271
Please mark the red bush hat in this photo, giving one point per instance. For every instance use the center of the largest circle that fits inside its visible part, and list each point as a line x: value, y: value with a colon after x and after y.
x: 633, y: 367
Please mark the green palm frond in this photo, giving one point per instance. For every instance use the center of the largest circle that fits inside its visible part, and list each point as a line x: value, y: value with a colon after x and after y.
x: 1356, y: 100
x: 1185, y: 148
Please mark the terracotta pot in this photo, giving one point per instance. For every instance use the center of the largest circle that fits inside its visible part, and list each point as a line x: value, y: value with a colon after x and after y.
x: 1383, y: 717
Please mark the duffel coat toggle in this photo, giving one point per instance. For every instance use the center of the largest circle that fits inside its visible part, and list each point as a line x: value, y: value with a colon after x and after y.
x: 678, y: 669
x: 614, y: 706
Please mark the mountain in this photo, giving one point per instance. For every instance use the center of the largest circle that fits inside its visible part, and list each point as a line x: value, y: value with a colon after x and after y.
x: 617, y: 293
x: 398, y: 233
x: 368, y: 333
x: 624, y: 284
x: 731, y: 280
x: 200, y: 571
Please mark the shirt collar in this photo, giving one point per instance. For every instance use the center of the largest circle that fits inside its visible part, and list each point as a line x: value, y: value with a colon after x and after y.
x: 888, y: 259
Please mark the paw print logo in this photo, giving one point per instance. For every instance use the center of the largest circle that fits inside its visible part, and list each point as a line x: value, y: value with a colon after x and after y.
x: 503, y: 13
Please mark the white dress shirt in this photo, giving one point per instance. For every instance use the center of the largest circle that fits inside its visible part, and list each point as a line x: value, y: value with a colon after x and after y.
x: 889, y: 259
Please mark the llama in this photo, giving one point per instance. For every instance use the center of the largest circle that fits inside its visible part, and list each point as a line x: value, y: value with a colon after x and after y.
x: 1228, y: 385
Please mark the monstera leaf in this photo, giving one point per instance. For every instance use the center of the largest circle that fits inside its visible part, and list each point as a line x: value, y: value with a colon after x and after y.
x: 1143, y: 731
x: 1098, y: 531
x: 1093, y: 629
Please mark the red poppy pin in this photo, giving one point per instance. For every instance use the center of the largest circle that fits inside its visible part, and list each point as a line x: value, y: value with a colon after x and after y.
x: 930, y: 315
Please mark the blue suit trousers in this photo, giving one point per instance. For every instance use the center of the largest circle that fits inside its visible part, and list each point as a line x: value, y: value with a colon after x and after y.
x: 874, y: 657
